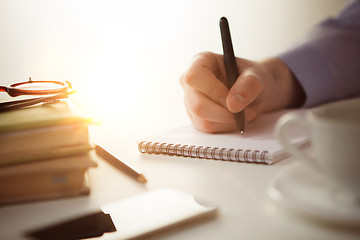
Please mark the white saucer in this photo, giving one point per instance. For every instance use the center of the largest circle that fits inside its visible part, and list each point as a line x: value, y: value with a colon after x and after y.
x: 309, y: 193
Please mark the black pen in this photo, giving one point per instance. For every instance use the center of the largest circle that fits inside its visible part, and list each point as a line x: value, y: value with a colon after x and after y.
x: 231, y: 68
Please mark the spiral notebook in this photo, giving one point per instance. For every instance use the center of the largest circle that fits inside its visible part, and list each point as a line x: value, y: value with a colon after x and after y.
x: 257, y: 145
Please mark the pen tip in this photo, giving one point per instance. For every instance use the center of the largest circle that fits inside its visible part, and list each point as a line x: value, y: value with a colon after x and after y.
x: 242, y: 132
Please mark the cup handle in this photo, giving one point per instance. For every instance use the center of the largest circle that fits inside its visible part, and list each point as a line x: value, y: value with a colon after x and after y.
x: 281, y: 132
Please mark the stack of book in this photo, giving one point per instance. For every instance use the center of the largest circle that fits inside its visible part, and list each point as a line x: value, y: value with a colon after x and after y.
x: 44, y: 152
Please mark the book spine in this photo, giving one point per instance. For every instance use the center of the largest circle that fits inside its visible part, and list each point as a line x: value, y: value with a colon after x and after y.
x: 42, y: 154
x: 46, y: 185
x: 48, y: 137
x: 215, y: 153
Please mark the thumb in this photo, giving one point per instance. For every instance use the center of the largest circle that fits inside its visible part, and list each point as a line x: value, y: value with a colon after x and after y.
x: 246, y: 89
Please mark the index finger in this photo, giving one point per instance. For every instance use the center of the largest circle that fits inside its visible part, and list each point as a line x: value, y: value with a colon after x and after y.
x: 206, y: 75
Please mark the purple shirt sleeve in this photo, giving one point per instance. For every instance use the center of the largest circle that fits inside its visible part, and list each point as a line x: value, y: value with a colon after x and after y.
x: 327, y: 61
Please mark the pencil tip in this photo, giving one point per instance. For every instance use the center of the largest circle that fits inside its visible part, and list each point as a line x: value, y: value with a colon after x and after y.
x: 141, y: 178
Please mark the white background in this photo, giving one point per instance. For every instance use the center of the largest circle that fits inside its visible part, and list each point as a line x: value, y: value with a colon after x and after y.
x: 125, y: 57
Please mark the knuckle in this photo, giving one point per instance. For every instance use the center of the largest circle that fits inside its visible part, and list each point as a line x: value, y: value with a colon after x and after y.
x: 255, y: 83
x: 189, y: 78
x: 205, y: 54
x: 212, y: 92
x: 197, y: 109
x: 206, y: 126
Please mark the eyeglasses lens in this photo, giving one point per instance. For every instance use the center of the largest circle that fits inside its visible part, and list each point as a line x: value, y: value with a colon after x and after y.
x: 39, y: 86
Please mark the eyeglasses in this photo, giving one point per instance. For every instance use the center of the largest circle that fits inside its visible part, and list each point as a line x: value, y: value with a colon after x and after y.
x: 36, y: 88
x: 56, y: 89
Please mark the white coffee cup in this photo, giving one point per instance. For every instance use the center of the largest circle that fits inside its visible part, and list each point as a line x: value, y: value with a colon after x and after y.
x: 334, y: 131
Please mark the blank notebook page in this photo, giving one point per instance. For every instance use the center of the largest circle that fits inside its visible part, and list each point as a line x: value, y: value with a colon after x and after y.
x: 258, y: 143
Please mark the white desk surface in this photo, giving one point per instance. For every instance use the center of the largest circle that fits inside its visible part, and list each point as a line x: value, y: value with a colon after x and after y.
x: 238, y: 190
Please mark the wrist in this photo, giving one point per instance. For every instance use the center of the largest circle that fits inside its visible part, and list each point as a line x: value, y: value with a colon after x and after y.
x: 286, y: 87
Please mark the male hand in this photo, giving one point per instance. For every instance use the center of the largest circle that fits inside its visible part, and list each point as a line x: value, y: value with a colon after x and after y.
x: 261, y: 87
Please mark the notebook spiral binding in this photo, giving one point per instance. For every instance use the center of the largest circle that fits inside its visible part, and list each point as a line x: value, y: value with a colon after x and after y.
x: 215, y: 153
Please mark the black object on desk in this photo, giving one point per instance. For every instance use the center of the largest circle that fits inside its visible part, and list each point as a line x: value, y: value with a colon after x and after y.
x: 88, y: 226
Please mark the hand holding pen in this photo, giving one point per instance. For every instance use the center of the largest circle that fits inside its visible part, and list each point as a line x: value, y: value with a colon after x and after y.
x: 260, y: 87
x: 231, y: 69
